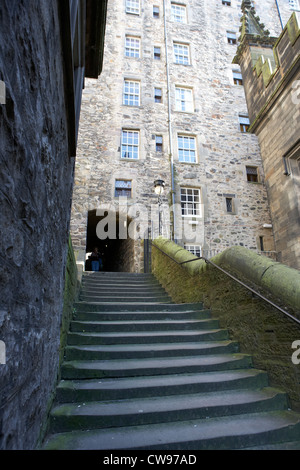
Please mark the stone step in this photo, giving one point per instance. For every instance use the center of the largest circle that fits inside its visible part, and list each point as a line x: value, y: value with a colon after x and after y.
x: 138, y: 351
x: 122, y: 298
x: 230, y: 432
x: 164, y: 385
x: 144, y: 315
x: 147, y: 325
x: 146, y: 337
x: 135, y: 307
x: 112, y: 288
x: 70, y: 417
x: 133, y: 368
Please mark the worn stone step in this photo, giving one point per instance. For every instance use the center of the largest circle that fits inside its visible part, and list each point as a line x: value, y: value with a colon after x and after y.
x: 122, y: 298
x: 134, y: 307
x: 129, y: 290
x: 146, y: 325
x: 135, y: 412
x: 137, y: 316
x: 231, y: 432
x: 142, y: 387
x: 132, y: 367
x: 146, y: 337
x: 131, y: 351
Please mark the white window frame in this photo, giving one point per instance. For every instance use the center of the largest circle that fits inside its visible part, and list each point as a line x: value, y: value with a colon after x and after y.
x: 184, y: 100
x: 132, y: 7
x: 181, y: 53
x: 155, y: 11
x: 157, y: 53
x: 294, y: 4
x: 252, y: 170
x: 130, y: 143
x: 231, y: 37
x: 194, y: 249
x: 123, y: 184
x: 159, y: 143
x: 237, y: 77
x: 157, y: 95
x: 244, y: 121
x: 190, y: 201
x: 186, y: 147
x: 131, y: 92
x: 178, y: 13
x: 132, y: 46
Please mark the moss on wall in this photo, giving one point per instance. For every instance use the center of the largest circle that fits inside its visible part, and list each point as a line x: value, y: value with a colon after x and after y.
x: 71, y: 290
x: 262, y: 331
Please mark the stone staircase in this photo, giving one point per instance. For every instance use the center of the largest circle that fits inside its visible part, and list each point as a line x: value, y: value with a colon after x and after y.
x: 143, y: 373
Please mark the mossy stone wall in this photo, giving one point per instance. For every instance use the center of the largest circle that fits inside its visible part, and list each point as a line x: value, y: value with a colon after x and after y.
x: 262, y: 331
x: 71, y: 290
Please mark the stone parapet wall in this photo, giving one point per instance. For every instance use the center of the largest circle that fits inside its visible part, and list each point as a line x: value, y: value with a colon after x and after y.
x: 262, y: 331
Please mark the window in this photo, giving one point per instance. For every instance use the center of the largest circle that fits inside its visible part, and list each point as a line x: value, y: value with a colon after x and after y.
x: 294, y: 4
x: 252, y: 173
x: 133, y: 7
x: 184, y: 99
x: 178, y: 13
x: 158, y: 143
x: 190, y: 202
x: 229, y: 204
x: 261, y: 243
x: 231, y: 37
x: 186, y: 149
x: 132, y: 46
x: 157, y: 53
x: 226, y: 2
x: 181, y: 54
x: 194, y: 249
x: 237, y: 77
x: 122, y: 188
x: 130, y: 144
x: 157, y: 95
x: 155, y: 12
x: 244, y: 122
x: 131, y: 95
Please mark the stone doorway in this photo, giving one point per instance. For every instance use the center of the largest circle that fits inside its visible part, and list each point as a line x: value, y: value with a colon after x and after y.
x: 109, y: 233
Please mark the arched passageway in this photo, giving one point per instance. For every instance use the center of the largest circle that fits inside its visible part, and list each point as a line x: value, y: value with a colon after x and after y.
x: 109, y: 233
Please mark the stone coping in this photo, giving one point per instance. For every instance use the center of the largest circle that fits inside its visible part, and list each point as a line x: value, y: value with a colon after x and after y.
x: 279, y: 280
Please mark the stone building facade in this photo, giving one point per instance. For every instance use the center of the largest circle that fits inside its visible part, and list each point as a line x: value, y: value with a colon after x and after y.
x: 46, y: 50
x: 170, y: 105
x: 271, y: 72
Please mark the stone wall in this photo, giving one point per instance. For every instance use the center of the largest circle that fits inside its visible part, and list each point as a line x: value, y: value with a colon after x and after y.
x: 36, y: 177
x: 223, y: 152
x: 272, y: 79
x: 262, y: 331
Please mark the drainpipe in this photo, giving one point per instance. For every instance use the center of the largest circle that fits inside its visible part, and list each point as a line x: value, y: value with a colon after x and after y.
x: 170, y: 125
x: 277, y: 5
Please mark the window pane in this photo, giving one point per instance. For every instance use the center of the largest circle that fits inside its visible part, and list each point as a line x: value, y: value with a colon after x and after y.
x: 132, y: 47
x: 187, y: 151
x: 178, y: 13
x: 190, y: 202
x: 184, y: 99
x: 131, y: 95
x: 133, y: 6
x: 181, y: 54
x: 130, y: 144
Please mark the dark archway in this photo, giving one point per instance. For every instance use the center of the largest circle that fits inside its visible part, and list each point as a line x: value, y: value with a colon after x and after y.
x: 116, y: 247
